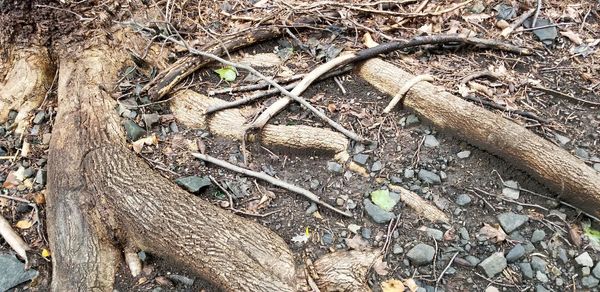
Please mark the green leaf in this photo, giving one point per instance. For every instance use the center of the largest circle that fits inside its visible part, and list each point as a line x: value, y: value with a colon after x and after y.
x: 593, y: 235
x: 382, y: 199
x: 227, y: 73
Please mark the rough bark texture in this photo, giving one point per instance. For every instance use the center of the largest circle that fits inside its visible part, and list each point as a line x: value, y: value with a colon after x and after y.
x: 345, y: 271
x: 25, y: 84
x: 568, y: 176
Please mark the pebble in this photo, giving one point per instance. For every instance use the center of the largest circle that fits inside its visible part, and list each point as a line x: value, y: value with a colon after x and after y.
x: 585, y: 271
x: 397, y: 249
x: 409, y: 173
x: 35, y: 130
x: 376, y: 213
x: 515, y: 253
x: 538, y: 235
x: 361, y: 158
x: 538, y: 264
x: 463, y: 199
x: 28, y: 172
x: 173, y: 127
x: 491, y: 289
x: 46, y: 138
x: 511, y: 221
x: 431, y: 142
x: 13, y: 273
x: 585, y: 260
x: 562, y: 255
x: 327, y: 238
x: 511, y: 189
x: 541, y: 288
x: 494, y: 264
x: 541, y: 277
x: 443, y: 176
x: 354, y: 228
x: 40, y: 177
x: 562, y: 140
x: 334, y: 167
x: 435, y: 233
x: 366, y: 233
x: 421, y: 254
x: 311, y: 209
x: 377, y: 166
x: 596, y: 270
x: 463, y: 154
x: 150, y: 119
x: 589, y: 282
x: 582, y: 153
x: 411, y: 120
x: 193, y: 183
x: 526, y: 270
x: 181, y: 279
x: 429, y: 177
x: 40, y: 117
x: 597, y: 166
x: 464, y: 233
x: 473, y: 260
x: 134, y: 132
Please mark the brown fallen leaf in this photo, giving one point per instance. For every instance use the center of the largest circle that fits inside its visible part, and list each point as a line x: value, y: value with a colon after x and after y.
x: 24, y: 224
x: 357, y: 243
x: 380, y: 267
x: 491, y: 232
x: 575, y: 234
x: 139, y: 144
x: 411, y: 285
x: 574, y: 37
x: 392, y: 285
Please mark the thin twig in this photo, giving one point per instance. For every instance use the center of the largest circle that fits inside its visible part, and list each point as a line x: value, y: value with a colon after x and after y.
x: 437, y: 282
x: 522, y: 113
x: 277, y: 182
x: 13, y: 239
x: 564, y: 95
x: 507, y: 31
x: 537, y: 13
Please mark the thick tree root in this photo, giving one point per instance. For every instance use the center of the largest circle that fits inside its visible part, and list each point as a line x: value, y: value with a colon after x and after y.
x: 25, y: 85
x: 568, y: 176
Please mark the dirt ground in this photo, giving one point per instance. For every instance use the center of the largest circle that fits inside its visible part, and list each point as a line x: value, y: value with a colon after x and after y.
x: 399, y: 148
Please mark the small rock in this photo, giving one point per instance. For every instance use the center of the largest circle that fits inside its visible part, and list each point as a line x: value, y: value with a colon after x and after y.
x: 40, y: 117
x: 582, y: 153
x: 585, y: 271
x: 327, y: 238
x: 421, y: 254
x: 511, y: 189
x: 526, y: 270
x: 435, y: 233
x: 377, y: 214
x: 150, y: 119
x: 463, y: 199
x: 181, y: 279
x: 377, y: 166
x: 463, y: 154
x: 473, y: 260
x: 409, y: 173
x: 562, y: 140
x: 431, y: 142
x: 354, y: 228
x: 443, y: 176
x: 596, y: 270
x: 511, y: 221
x: 541, y: 277
x: 397, y: 249
x: 541, y: 288
x: 515, y: 253
x: 361, y: 158
x: 589, y: 282
x: 340, y: 202
x: 562, y: 255
x: 311, y: 209
x: 464, y: 233
x: 491, y: 289
x: 13, y: 273
x: 411, y: 120
x: 494, y: 264
x: 538, y: 235
x: 538, y: 264
x: 173, y: 127
x: 28, y: 172
x: 585, y: 260
x: 46, y: 138
x: 35, y: 130
x: 334, y: 167
x: 366, y: 233
x: 40, y: 177
x: 193, y: 183
x: 429, y: 177
x: 134, y: 132
x: 597, y: 166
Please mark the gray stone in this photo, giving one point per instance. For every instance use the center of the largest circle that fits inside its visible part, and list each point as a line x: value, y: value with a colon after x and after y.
x: 562, y: 255
x: 559, y: 282
x: 529, y: 247
x: 173, y: 127
x: 464, y: 233
x: 431, y: 141
x: 429, y: 177
x: 28, y: 172
x: 582, y: 153
x: 361, y: 158
x: 397, y: 249
x: 526, y: 270
x: 491, y: 289
x: 541, y: 277
x: 463, y: 199
x: 334, y: 167
x: 538, y: 264
x: 541, y: 288
x: 411, y: 120
x: 134, y: 132
x: 366, y: 233
x: 562, y: 140
x: 40, y: 117
x: 585, y: 260
x: 511, y: 221
x: 463, y: 154
x: 589, y: 282
x: 150, y: 119
x: 409, y: 173
x: 193, y: 183
x: 538, y: 235
x: 597, y: 166
x: 473, y: 260
x: 181, y: 279
x: 13, y: 273
x: 311, y: 209
x: 377, y: 166
x: 35, y: 130
x: 327, y: 238
x: 585, y: 271
x: 596, y: 270
x: 40, y: 177
x: 377, y: 214
x: 515, y: 253
x: 511, y: 189
x: 435, y: 233
x: 494, y: 264
x: 421, y: 254
x: 443, y: 176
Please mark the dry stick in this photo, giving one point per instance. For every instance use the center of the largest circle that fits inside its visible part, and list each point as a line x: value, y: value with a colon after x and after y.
x: 13, y: 239
x: 522, y: 113
x: 257, y: 86
x: 277, y: 182
x: 564, y: 95
x: 507, y: 31
x: 270, y: 92
x: 437, y: 282
x: 382, y: 49
x: 402, y: 92
x: 537, y: 13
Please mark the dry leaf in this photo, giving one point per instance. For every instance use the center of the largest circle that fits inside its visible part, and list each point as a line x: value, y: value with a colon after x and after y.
x: 574, y: 37
x: 380, y: 267
x: 476, y: 18
x: 575, y: 235
x: 139, y: 144
x: 368, y: 41
x: 357, y: 243
x: 392, y: 285
x: 24, y: 224
x: 426, y: 29
x: 491, y: 232
x: 331, y: 107
x: 411, y: 285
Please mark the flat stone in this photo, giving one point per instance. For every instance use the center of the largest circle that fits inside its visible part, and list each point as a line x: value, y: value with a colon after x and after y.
x: 511, y: 190
x: 473, y: 260
x: 538, y: 264
x: 13, y: 273
x: 397, y: 249
x: 541, y: 277
x: 150, y: 119
x: 494, y: 264
x: 511, y: 221
x: 429, y: 177
x: 409, y: 173
x: 491, y: 289
x: 562, y: 140
x: 377, y: 213
x: 464, y: 233
x: 334, y: 167
x: 134, y: 132
x: 526, y: 270
x: 596, y: 270
x: 597, y: 166
x: 515, y: 253
x: 421, y: 254
x: 181, y: 279
x: 46, y: 138
x: 541, y: 288
x: 538, y: 235
x: 354, y: 228
x: 582, y: 153
x: 40, y: 177
x: 435, y: 233
x: 589, y: 282
x: 463, y: 199
x: 463, y: 154
x: 193, y: 183
x: 361, y: 158
x: 327, y: 238
x: 311, y: 209
x: 431, y: 142
x: 377, y: 166
x: 40, y: 117
x: 585, y: 271
x: 585, y: 260
x: 411, y: 120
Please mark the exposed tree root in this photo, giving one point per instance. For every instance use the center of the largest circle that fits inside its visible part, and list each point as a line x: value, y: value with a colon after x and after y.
x: 25, y: 85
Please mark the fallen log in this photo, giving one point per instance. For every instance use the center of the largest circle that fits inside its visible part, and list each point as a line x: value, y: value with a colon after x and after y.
x: 571, y: 179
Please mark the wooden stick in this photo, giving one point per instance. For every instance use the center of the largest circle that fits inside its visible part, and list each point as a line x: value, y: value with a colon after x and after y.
x: 277, y: 182
x: 422, y: 207
x: 13, y: 239
x: 568, y: 176
x: 256, y: 86
x: 507, y: 31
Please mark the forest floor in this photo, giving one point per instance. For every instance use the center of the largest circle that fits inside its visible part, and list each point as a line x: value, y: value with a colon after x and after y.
x: 496, y: 210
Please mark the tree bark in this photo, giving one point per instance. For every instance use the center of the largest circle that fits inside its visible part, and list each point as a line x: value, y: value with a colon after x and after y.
x: 568, y: 176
